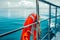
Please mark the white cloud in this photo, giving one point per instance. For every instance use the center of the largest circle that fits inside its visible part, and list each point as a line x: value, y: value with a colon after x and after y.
x: 43, y: 5
x: 26, y: 4
x: 13, y: 4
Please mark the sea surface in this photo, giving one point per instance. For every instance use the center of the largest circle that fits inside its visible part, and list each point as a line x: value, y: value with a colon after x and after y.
x: 8, y: 24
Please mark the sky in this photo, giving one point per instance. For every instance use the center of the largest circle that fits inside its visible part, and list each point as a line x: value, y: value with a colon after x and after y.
x: 16, y: 8
x: 22, y: 8
x: 15, y: 3
x: 18, y: 3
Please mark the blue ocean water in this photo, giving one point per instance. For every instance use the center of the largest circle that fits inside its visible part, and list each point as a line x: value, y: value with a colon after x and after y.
x: 7, y: 24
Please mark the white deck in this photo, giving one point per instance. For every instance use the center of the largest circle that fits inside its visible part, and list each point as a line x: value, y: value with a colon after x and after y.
x: 57, y: 36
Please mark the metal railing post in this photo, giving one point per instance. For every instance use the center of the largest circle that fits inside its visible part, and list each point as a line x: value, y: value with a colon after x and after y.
x: 37, y: 7
x: 37, y: 11
x: 55, y: 20
x: 49, y: 22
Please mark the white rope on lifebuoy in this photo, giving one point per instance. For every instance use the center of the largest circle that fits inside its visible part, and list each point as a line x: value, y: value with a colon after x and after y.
x: 32, y: 17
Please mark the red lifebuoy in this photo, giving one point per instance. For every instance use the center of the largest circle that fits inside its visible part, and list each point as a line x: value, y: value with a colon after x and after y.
x: 26, y: 31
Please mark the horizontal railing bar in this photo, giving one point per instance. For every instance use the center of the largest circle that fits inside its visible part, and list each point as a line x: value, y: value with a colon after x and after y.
x: 44, y: 36
x: 50, y: 18
x: 4, y: 34
x: 49, y: 3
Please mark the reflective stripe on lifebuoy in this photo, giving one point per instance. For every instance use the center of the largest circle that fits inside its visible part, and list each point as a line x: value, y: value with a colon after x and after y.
x: 32, y: 17
x: 26, y: 32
